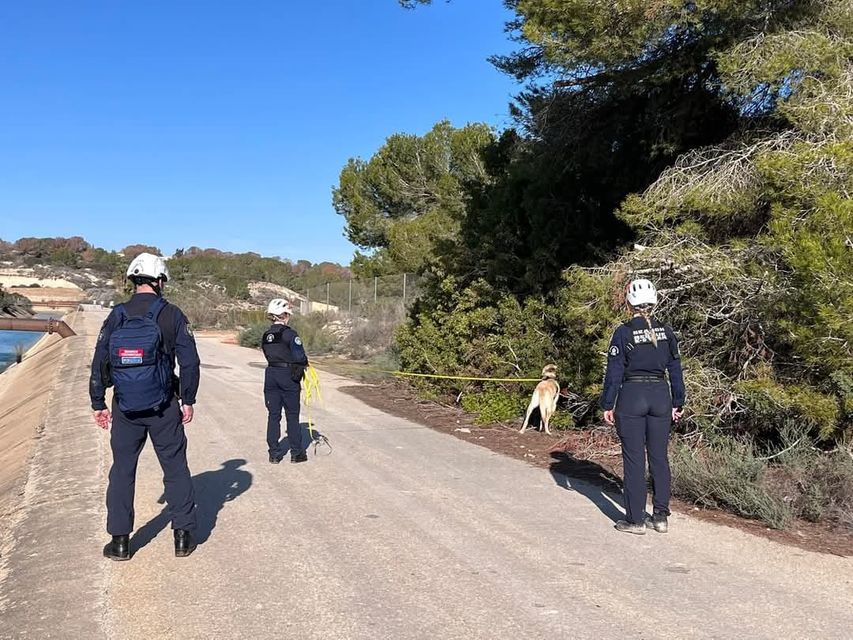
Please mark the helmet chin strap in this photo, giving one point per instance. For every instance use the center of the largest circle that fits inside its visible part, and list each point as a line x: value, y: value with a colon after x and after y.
x: 154, y: 284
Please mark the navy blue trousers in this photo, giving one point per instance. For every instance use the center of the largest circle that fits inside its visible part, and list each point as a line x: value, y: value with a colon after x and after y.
x: 129, y: 432
x: 281, y: 393
x: 643, y: 421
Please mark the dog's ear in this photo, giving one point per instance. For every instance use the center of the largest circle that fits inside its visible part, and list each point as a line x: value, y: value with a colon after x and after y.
x: 549, y: 370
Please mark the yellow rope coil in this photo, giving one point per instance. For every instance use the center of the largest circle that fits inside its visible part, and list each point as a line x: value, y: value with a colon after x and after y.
x: 310, y: 392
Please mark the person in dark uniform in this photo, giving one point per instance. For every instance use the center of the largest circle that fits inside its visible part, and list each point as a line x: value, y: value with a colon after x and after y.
x: 286, y: 364
x: 136, y: 352
x: 637, y: 399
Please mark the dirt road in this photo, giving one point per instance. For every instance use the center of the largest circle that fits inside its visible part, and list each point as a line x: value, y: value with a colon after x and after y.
x: 402, y: 532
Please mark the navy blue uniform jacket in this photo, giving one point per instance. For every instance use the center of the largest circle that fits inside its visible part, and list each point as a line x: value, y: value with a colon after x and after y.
x: 178, y: 341
x: 632, y: 353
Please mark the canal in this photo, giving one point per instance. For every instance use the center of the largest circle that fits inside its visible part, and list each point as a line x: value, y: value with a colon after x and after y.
x: 11, y: 340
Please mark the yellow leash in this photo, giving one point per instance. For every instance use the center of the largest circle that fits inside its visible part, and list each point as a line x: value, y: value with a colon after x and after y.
x: 446, y: 377
x: 311, y: 393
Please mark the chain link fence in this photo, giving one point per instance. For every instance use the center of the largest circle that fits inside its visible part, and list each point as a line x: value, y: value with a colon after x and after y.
x: 360, y: 297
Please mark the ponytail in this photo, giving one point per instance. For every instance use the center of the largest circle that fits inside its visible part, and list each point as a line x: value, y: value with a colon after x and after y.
x: 646, y: 312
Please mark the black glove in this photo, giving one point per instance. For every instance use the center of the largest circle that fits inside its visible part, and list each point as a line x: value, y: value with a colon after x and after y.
x: 297, y: 372
x: 106, y: 373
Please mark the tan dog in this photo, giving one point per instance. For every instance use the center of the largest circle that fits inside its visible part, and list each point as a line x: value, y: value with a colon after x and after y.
x: 545, y: 397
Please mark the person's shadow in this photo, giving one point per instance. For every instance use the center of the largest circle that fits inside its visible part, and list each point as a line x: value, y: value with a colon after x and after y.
x: 589, y: 479
x: 212, y: 490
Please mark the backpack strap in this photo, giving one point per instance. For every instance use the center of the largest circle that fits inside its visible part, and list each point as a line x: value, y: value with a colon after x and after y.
x: 120, y: 312
x: 167, y: 331
x: 155, y: 309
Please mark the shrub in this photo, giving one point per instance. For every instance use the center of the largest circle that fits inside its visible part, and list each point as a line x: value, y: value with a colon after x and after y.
x: 770, y: 405
x: 252, y: 335
x: 796, y: 479
x: 494, y: 405
x: 483, y: 336
x: 818, y: 485
x: 726, y: 474
x: 310, y: 329
x: 387, y: 360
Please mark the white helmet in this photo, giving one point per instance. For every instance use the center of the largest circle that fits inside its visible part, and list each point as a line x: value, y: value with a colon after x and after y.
x: 641, y: 292
x: 278, y: 307
x: 147, y: 265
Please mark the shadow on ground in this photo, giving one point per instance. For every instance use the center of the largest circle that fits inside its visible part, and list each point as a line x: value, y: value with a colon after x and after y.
x: 589, y: 479
x: 312, y: 438
x: 212, y: 490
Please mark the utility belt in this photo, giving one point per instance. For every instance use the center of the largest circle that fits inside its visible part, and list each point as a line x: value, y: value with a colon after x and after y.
x: 297, y: 371
x: 647, y: 378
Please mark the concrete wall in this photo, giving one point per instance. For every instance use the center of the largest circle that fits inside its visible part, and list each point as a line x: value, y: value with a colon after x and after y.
x: 24, y: 392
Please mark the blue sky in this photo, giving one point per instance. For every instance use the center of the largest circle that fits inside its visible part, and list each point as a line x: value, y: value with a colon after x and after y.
x: 223, y: 123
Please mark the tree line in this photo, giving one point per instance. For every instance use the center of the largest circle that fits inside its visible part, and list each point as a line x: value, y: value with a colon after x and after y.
x: 705, y: 145
x: 189, y: 267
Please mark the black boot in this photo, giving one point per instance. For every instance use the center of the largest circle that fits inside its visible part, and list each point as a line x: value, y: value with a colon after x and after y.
x: 184, y: 544
x: 658, y: 522
x: 275, y: 459
x: 299, y: 457
x: 626, y: 526
x: 118, y: 548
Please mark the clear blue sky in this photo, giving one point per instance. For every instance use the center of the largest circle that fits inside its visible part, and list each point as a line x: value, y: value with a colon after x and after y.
x: 223, y: 123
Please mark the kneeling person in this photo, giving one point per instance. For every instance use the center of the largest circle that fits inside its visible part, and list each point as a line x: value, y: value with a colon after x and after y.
x: 286, y: 364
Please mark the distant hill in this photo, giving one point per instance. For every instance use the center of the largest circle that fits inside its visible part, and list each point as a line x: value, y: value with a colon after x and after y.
x: 211, y: 284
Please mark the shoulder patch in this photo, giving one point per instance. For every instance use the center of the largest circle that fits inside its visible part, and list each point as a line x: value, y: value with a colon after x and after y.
x: 270, y: 337
x: 189, y: 329
x: 298, y: 340
x: 614, y: 351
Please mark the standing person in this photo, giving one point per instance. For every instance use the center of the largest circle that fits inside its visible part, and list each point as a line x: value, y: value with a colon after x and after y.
x: 641, y: 350
x: 135, y: 353
x: 286, y: 364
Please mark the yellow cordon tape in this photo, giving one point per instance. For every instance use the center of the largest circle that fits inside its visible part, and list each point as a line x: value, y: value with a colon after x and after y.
x: 310, y: 391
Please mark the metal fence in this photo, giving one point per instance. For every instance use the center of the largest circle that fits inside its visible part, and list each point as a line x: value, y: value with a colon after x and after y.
x: 359, y: 296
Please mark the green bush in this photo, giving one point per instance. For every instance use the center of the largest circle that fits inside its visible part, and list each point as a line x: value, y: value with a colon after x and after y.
x: 252, y: 335
x: 770, y: 405
x: 476, y: 332
x: 494, y: 405
x: 314, y: 337
x: 387, y: 360
x: 818, y: 484
x: 727, y: 475
x: 795, y: 478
